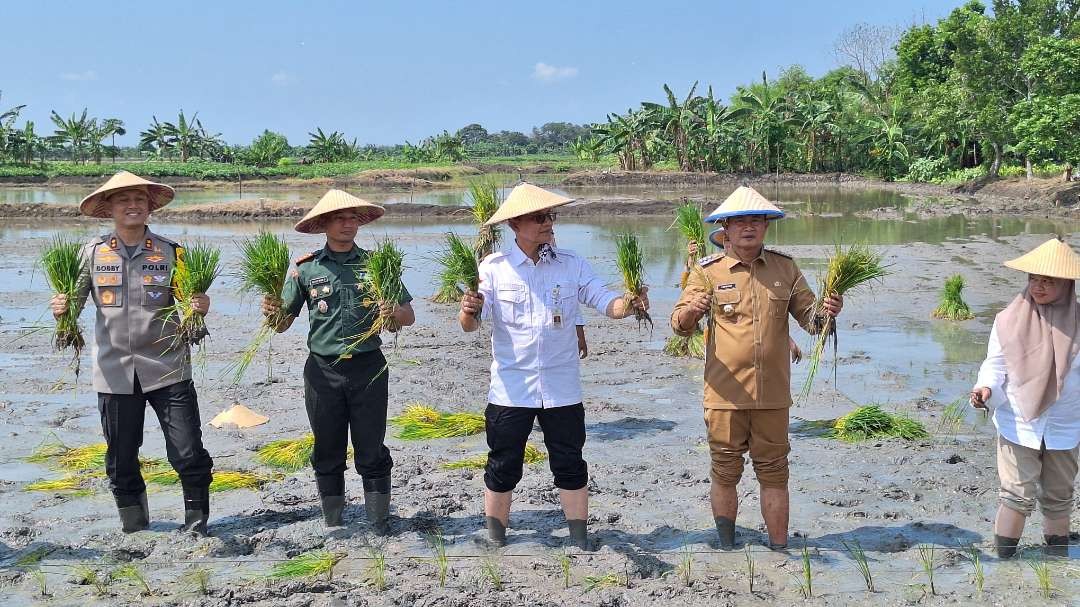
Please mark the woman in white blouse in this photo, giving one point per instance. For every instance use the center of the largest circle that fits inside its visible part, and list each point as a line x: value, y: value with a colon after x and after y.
x: 1031, y: 381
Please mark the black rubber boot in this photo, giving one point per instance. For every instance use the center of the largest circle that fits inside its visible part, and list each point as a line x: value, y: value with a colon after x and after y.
x: 725, y: 529
x: 1006, y: 546
x: 377, y: 504
x: 332, y: 508
x: 1056, y: 545
x: 133, y: 517
x: 496, y: 532
x: 579, y: 533
x: 196, y: 509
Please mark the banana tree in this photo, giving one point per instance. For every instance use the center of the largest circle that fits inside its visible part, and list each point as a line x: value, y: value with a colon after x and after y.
x: 74, y: 131
x: 767, y: 112
x: 676, y: 121
x: 185, y: 134
x: 156, y: 139
x: 7, y: 119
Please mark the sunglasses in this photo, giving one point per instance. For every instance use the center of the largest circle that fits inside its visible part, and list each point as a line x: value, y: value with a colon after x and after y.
x: 542, y: 217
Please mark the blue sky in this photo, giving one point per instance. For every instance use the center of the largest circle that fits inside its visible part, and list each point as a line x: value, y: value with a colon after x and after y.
x: 389, y: 71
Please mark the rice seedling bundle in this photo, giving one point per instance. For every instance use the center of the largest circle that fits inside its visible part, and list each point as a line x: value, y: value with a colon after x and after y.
x: 870, y: 421
x: 65, y: 270
x: 195, y: 270
x: 131, y: 573
x: 48, y: 449
x: 953, y: 306
x: 86, y: 457
x: 847, y: 270
x: 460, y: 270
x: 420, y: 422
x: 631, y: 264
x: 692, y: 346
x: 264, y: 265
x: 290, y: 454
x: 478, y: 462
x: 379, y: 282
x: 72, y: 484
x: 224, y: 480
x: 688, y: 222
x: 486, y: 200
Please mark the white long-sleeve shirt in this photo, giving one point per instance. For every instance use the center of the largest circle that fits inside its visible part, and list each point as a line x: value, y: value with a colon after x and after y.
x: 534, y: 355
x: 1058, y: 426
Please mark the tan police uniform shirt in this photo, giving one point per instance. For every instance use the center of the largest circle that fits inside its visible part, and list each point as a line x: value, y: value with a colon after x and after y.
x: 747, y: 363
x: 131, y: 294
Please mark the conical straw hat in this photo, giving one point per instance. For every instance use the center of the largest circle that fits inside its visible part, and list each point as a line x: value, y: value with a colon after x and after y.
x: 1051, y: 258
x: 526, y: 198
x: 240, y: 416
x: 744, y: 201
x: 95, y: 205
x: 336, y: 200
x: 717, y: 237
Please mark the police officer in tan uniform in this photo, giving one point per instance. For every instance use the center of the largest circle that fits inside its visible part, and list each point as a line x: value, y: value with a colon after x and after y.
x: 749, y: 292
x: 137, y: 360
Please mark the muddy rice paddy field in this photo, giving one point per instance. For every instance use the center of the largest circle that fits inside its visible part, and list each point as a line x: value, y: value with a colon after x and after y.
x: 647, y: 455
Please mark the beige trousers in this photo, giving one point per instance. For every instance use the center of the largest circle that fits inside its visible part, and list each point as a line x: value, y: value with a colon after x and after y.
x: 1041, y: 475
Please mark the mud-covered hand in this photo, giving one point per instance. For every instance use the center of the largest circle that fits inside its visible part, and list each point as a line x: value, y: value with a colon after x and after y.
x: 200, y: 303
x: 979, y: 397
x: 270, y: 306
x: 389, y: 310
x: 641, y: 300
x: 59, y: 305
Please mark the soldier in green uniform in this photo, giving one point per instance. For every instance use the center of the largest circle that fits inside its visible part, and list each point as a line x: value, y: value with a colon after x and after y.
x: 136, y: 358
x: 345, y: 384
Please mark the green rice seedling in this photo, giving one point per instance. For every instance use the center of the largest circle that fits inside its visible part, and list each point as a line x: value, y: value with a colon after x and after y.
x: 686, y: 565
x: 41, y: 581
x: 196, y: 269
x: 50, y: 448
x: 85, y: 575
x: 422, y: 422
x: 565, y: 563
x: 599, y: 582
x: 533, y: 455
x: 198, y: 579
x: 686, y: 347
x: 376, y: 570
x: 1042, y: 574
x: 72, y: 484
x: 224, y: 480
x: 439, y: 558
x: 974, y: 556
x: 806, y: 580
x: 66, y: 272
x: 750, y: 567
x: 289, y: 454
x: 927, y: 559
x: 486, y: 200
x: 861, y: 563
x: 379, y: 282
x: 847, y: 270
x: 448, y: 291
x: 460, y: 265
x: 307, y: 565
x: 492, y: 573
x: 952, y: 417
x: 953, y: 306
x: 870, y: 421
x: 631, y: 263
x: 130, y: 573
x: 688, y: 222
x: 264, y: 265
x: 33, y: 557
x: 85, y: 457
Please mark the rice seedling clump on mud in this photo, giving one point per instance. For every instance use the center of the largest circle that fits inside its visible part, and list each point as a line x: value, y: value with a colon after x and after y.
x: 224, y: 480
x: 847, y: 270
x: 871, y: 421
x: 478, y: 462
x: 421, y: 422
x: 264, y: 265
x: 485, y: 201
x: 460, y: 270
x: 65, y: 270
x: 692, y: 346
x: 631, y: 263
x: 953, y: 306
x: 290, y: 454
x: 379, y: 282
x: 308, y: 564
x: 72, y: 484
x: 196, y: 269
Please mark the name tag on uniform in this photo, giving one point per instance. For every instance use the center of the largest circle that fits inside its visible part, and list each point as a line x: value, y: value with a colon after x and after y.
x: 318, y: 280
x: 725, y: 287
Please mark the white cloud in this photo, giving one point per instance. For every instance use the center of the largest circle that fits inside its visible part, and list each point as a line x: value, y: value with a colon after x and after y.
x: 281, y: 79
x: 84, y: 76
x: 553, y: 73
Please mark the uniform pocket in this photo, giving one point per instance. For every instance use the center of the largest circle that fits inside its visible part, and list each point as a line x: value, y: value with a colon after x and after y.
x: 110, y: 297
x: 155, y: 296
x: 778, y: 304
x: 726, y: 305
x: 511, y: 301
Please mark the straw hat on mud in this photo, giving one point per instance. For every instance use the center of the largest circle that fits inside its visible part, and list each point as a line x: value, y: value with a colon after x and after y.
x: 524, y: 199
x: 744, y: 201
x: 336, y: 200
x: 1052, y: 258
x: 96, y: 205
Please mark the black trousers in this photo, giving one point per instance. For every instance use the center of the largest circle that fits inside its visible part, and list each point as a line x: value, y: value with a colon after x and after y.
x: 508, y: 430
x: 343, y: 397
x: 177, y: 409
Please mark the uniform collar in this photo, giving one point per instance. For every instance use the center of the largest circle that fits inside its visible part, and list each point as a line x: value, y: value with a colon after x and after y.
x: 326, y: 252
x: 147, y: 245
x: 730, y: 260
x: 518, y: 257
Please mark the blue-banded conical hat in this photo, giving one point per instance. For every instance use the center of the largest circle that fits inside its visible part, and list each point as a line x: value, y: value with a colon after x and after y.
x: 524, y: 199
x: 744, y: 201
x: 1051, y: 258
x: 717, y: 237
x: 336, y: 200
x: 96, y: 204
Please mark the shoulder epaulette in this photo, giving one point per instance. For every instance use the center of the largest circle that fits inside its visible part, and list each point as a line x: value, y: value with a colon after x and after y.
x: 305, y: 258
x: 704, y: 261
x: 166, y: 240
x: 780, y: 253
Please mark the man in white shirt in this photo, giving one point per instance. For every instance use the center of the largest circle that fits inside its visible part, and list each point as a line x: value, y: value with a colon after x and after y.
x: 530, y: 294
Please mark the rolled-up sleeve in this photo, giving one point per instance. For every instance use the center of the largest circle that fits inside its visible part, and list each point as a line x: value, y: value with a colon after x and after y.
x: 694, y: 286
x: 592, y: 291
x: 993, y: 372
x: 486, y: 288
